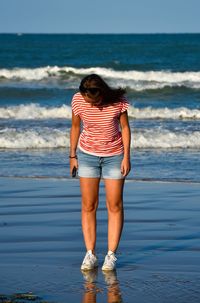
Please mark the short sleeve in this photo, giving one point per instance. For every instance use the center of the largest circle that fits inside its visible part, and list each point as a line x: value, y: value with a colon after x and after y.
x: 76, y: 105
x: 124, y: 105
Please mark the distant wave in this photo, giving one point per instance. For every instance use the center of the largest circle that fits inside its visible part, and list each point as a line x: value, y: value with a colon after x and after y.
x: 164, y: 139
x: 137, y: 80
x: 35, y: 111
x: 12, y: 138
x: 164, y: 113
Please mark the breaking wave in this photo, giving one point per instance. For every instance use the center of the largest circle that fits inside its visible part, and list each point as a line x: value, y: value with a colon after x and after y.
x: 137, y: 80
x: 35, y: 111
x: 12, y: 138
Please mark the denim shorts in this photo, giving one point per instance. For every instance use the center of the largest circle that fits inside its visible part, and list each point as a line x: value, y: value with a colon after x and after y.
x: 108, y: 167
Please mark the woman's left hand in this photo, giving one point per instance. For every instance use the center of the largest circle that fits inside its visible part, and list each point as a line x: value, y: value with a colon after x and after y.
x: 125, y: 166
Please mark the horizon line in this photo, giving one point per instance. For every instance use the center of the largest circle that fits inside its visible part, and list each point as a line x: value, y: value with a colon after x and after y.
x: 109, y: 33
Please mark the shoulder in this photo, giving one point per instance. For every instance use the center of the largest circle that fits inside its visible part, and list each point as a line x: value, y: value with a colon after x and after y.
x: 77, y: 97
x: 77, y: 101
x: 120, y: 101
x: 123, y: 104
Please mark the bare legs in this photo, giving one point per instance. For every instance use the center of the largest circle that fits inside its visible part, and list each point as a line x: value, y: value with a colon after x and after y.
x: 114, y: 202
x: 90, y: 193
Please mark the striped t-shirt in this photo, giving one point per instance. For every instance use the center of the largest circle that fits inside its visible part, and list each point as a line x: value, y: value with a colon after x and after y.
x: 101, y: 135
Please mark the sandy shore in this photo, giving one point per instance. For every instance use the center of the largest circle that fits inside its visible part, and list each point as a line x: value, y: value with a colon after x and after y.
x: 41, y: 245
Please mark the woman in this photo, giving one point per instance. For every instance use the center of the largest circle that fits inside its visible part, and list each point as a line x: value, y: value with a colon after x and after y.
x: 103, y: 151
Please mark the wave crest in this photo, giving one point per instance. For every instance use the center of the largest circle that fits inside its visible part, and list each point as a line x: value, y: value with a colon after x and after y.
x: 137, y: 80
x: 12, y: 138
x: 34, y: 111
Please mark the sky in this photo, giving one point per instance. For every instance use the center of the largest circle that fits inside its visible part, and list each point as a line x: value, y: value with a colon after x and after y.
x: 99, y: 16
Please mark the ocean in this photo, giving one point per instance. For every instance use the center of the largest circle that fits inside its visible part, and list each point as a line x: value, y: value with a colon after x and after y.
x: 39, y: 73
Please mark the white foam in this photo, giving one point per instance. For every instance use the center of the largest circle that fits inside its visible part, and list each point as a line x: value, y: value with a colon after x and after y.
x: 35, y: 111
x: 11, y: 138
x: 164, y: 139
x: 29, y: 73
x: 164, y: 113
x: 138, y: 80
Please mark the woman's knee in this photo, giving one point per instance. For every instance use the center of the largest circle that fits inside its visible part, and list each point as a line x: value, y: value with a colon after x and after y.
x: 89, y: 206
x: 115, y: 207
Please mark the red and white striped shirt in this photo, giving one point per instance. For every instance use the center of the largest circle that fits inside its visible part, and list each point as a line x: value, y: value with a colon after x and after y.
x: 101, y: 135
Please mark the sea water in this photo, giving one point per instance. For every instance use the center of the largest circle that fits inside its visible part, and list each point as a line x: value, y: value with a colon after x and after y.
x: 40, y: 73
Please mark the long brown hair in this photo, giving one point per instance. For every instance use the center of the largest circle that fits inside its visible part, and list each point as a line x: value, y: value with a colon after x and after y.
x: 95, y: 86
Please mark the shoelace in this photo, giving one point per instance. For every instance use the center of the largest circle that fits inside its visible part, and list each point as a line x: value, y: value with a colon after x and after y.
x: 112, y: 259
x: 90, y: 257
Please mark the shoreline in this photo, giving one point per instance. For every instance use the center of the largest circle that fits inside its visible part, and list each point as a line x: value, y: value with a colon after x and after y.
x: 68, y: 178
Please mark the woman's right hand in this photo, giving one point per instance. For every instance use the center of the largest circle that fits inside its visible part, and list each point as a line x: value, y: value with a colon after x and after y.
x: 73, y: 163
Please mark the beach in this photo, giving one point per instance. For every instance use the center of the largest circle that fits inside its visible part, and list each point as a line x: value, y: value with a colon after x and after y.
x: 42, y: 246
x: 41, y: 243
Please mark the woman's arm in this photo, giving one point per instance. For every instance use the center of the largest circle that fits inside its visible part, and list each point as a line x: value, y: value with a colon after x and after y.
x: 126, y: 139
x: 74, y: 137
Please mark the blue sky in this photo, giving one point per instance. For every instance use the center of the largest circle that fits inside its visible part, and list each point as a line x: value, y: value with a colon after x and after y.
x: 100, y: 16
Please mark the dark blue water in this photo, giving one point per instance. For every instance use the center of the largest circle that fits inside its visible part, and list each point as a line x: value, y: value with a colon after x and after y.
x: 142, y: 52
x: 40, y: 73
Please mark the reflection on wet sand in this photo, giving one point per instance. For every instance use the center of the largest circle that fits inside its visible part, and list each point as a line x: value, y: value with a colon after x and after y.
x: 91, y: 288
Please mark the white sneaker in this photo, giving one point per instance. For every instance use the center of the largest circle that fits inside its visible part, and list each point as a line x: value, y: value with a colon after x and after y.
x: 109, y: 262
x: 90, y: 261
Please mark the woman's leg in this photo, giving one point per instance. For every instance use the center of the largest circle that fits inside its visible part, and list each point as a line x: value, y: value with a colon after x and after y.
x: 90, y: 195
x: 114, y: 202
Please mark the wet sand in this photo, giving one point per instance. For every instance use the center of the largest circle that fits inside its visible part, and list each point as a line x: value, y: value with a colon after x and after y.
x: 41, y: 244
